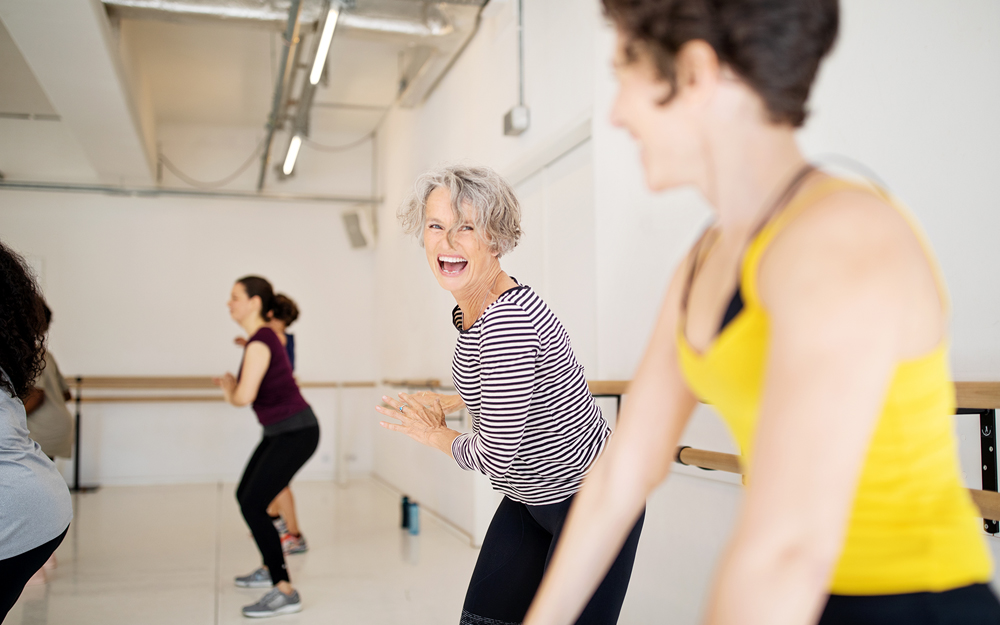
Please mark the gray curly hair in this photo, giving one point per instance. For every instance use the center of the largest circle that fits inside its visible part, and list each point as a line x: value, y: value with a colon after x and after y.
x: 496, y: 213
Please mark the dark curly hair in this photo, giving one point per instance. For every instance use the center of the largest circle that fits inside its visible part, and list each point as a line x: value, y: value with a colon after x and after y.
x: 22, y: 325
x: 775, y: 46
x: 284, y: 309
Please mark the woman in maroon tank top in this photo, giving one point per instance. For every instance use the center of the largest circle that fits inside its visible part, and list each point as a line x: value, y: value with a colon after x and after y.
x: 291, y: 435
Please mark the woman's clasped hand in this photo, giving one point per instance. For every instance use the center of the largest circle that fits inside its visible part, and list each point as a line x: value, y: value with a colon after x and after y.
x: 420, y: 418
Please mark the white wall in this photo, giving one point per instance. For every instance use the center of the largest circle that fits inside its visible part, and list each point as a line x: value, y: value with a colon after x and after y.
x: 138, y: 286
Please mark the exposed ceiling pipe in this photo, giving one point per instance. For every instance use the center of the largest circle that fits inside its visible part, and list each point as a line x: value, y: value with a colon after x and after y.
x: 291, y: 39
x: 300, y: 124
x: 269, y: 13
x: 388, y: 16
x: 430, y: 62
x: 13, y: 185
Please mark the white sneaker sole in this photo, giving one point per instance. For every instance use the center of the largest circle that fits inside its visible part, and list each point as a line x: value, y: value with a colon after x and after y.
x: 253, y: 584
x: 287, y: 609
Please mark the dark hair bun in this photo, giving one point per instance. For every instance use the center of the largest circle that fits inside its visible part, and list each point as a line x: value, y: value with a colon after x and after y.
x: 285, y: 309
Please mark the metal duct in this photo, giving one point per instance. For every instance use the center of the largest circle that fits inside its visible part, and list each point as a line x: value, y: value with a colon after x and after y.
x: 435, y: 32
x: 266, y: 12
x: 414, y: 18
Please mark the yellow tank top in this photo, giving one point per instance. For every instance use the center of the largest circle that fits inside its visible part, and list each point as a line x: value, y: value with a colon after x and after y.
x: 913, y: 526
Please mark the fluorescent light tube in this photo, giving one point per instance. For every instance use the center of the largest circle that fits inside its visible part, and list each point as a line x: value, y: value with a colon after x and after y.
x: 324, y: 45
x: 293, y: 153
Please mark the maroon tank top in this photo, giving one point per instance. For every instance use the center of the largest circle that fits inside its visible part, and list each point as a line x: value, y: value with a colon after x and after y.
x: 278, y: 397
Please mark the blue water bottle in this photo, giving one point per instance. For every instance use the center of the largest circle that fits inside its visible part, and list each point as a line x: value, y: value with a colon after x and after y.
x: 413, y: 517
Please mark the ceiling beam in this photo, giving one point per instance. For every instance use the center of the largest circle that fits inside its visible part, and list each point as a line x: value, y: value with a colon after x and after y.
x: 73, y: 54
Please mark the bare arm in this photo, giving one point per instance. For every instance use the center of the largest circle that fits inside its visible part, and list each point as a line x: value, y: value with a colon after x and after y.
x: 255, y: 362
x: 637, y: 459
x: 832, y: 286
x: 63, y: 385
x: 34, y: 400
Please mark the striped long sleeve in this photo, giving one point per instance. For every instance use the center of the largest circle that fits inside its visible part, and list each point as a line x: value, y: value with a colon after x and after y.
x: 535, y: 426
x: 508, y: 349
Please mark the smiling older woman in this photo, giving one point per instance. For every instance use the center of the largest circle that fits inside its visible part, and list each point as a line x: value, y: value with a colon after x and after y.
x: 535, y: 427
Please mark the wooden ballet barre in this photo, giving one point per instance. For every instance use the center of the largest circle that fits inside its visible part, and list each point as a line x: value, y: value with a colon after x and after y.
x: 88, y: 383
x: 713, y: 460
x: 148, y: 399
x: 144, y: 382
x: 979, y: 395
x: 169, y: 383
x: 351, y: 384
x: 154, y: 383
x: 608, y: 388
x: 987, y: 501
x: 419, y: 382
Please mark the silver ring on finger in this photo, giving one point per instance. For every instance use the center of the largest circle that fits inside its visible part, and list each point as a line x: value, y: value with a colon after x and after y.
x: 403, y: 406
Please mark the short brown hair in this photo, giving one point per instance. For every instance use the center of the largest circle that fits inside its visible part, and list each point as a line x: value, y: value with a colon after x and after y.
x: 496, y: 213
x: 775, y: 46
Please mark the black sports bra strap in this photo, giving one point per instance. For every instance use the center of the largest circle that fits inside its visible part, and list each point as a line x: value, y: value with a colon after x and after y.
x: 780, y: 202
x: 695, y: 261
x: 785, y: 197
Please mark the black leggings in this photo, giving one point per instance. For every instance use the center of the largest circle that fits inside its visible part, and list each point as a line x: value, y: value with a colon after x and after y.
x: 15, y: 572
x: 273, y: 464
x: 515, y: 553
x: 968, y: 605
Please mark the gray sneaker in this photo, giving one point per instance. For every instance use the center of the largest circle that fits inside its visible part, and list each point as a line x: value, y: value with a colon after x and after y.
x: 280, y: 525
x: 274, y: 603
x: 258, y: 579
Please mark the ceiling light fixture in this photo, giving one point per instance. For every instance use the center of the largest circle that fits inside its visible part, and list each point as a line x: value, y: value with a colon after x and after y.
x: 324, y: 45
x: 293, y: 153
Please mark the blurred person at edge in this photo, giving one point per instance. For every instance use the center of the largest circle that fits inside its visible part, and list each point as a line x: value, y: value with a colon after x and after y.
x: 50, y: 423
x: 35, y: 504
x: 812, y: 315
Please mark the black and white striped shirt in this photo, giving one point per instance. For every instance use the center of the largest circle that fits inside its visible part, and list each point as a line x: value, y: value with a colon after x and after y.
x: 535, y: 426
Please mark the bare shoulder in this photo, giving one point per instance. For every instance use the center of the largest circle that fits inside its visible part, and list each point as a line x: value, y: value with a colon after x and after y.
x: 847, y: 231
x: 853, y: 248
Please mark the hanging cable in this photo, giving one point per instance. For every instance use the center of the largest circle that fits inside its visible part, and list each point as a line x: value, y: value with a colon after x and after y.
x: 201, y: 184
x: 337, y: 148
x: 340, y: 148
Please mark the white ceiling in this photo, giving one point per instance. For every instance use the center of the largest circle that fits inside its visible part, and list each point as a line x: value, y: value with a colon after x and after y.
x: 118, y: 84
x: 20, y: 93
x: 219, y: 73
x: 64, y: 64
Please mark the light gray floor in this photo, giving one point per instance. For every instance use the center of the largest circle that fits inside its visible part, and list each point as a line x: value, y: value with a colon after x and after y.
x: 167, y: 555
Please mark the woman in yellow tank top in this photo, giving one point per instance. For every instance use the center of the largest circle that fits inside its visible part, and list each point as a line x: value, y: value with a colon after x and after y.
x: 812, y: 315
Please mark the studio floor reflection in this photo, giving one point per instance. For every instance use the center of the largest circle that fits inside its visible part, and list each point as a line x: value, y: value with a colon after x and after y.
x: 157, y: 555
